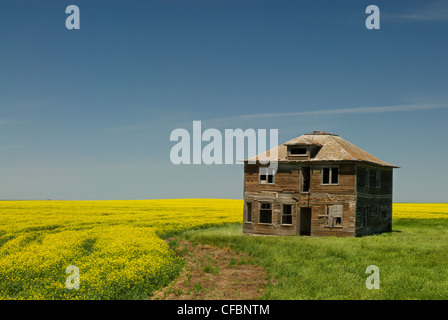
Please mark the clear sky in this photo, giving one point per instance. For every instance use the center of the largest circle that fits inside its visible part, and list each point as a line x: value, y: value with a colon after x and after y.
x: 87, y: 114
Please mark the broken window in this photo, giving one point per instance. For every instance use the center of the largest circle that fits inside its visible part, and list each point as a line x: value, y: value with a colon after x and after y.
x: 266, y: 175
x: 367, y: 178
x: 265, y: 214
x: 384, y: 214
x: 298, y: 151
x: 330, y: 175
x: 287, y: 214
x: 333, y: 215
x: 306, y: 171
x: 248, y: 211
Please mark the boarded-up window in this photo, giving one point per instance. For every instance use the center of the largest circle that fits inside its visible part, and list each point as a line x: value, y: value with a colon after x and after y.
x: 266, y: 175
x: 287, y: 214
x: 330, y: 175
x: 265, y: 214
x: 248, y: 211
x: 333, y: 216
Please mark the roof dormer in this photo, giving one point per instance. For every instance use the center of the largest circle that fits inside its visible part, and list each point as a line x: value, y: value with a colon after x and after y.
x: 301, y: 151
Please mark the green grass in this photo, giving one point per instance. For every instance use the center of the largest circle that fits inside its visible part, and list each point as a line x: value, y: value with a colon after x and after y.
x: 412, y: 260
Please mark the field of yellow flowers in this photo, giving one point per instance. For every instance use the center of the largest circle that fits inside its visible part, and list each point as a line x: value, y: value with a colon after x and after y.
x: 117, y: 245
x: 420, y: 211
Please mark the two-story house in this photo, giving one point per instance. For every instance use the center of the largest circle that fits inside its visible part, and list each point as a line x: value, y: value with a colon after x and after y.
x: 324, y: 186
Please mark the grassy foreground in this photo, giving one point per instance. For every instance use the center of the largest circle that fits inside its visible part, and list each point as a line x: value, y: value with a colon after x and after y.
x: 412, y: 260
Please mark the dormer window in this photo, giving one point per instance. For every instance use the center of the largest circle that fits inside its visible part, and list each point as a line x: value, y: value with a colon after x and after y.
x: 299, y: 152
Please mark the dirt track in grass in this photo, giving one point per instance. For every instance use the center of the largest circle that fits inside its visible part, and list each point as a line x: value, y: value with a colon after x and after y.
x: 214, y: 273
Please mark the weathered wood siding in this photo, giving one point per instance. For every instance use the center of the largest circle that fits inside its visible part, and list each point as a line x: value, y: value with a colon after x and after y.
x: 276, y: 227
x: 286, y: 179
x: 286, y: 190
x: 348, y: 222
x: 346, y: 183
x: 375, y: 201
x: 364, y: 187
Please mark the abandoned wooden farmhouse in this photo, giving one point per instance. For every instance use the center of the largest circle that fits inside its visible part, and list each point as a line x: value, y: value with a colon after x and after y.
x: 324, y: 186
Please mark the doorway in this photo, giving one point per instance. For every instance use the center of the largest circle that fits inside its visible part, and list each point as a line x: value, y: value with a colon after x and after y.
x: 305, y: 221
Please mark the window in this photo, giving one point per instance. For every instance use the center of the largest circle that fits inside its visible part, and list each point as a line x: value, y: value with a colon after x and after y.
x: 333, y: 216
x: 265, y: 215
x: 334, y: 175
x: 367, y: 178
x: 306, y: 179
x: 378, y: 178
x: 248, y: 211
x: 330, y: 175
x: 287, y: 214
x: 365, y: 216
x: 384, y: 214
x: 266, y: 175
x: 298, y: 151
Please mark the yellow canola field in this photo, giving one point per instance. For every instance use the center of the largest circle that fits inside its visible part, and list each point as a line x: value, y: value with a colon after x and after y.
x: 117, y: 245
x: 420, y: 211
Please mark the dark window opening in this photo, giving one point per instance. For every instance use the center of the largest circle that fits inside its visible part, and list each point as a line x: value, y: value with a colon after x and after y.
x: 287, y: 214
x: 266, y: 175
x: 298, y: 151
x: 265, y: 215
x: 338, y: 221
x: 330, y: 175
x: 367, y: 178
x: 306, y: 179
x: 365, y: 217
x: 334, y: 175
x: 378, y: 178
x: 249, y: 212
x: 326, y: 176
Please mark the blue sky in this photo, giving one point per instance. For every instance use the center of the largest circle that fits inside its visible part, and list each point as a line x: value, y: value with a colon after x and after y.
x: 87, y: 114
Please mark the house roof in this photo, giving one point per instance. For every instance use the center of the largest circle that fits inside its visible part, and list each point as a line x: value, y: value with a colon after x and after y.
x: 330, y: 147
